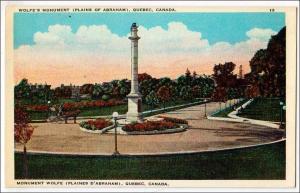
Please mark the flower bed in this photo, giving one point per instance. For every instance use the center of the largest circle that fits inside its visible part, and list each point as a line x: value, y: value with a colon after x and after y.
x: 39, y: 108
x: 97, y: 124
x: 174, y: 120
x: 150, y: 126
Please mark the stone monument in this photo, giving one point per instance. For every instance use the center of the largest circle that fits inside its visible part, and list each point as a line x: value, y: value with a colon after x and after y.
x: 134, y: 97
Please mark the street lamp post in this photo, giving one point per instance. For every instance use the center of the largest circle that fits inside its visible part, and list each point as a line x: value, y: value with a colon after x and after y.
x: 49, y: 105
x: 205, y: 116
x: 115, y: 116
x: 281, y: 108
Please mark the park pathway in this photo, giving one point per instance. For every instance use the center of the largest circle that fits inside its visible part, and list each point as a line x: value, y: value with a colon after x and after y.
x: 202, y: 135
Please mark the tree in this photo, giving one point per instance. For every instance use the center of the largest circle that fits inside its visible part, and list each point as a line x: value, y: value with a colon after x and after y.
x: 252, y: 91
x: 232, y: 93
x: 165, y: 81
x: 22, y: 132
x: 186, y: 93
x: 185, y: 80
x: 86, y: 89
x: 223, y: 75
x: 97, y: 91
x: 164, y: 94
x: 124, y: 86
x: 188, y: 77
x: 268, y: 67
x: 107, y: 88
x: 144, y: 76
x: 146, y: 86
x: 219, y: 95
x: 22, y: 90
x: 151, y: 99
x: 196, y: 91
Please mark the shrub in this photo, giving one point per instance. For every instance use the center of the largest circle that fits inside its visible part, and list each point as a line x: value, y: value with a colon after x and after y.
x: 105, y: 97
x: 97, y: 124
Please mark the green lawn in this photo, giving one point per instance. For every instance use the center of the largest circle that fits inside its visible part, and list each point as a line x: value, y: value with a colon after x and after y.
x: 267, y: 109
x: 264, y: 162
x: 96, y: 111
x: 226, y: 111
x: 121, y: 109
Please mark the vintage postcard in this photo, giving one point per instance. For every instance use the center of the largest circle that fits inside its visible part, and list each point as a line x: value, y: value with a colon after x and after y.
x: 150, y: 96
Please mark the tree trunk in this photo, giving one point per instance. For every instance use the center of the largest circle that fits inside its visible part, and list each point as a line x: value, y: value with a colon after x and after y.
x: 25, y: 163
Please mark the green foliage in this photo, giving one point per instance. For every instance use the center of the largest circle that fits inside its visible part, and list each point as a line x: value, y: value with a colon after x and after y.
x: 164, y: 94
x: 22, y: 90
x: 186, y: 92
x: 233, y: 93
x: 105, y: 97
x: 97, y: 91
x: 151, y: 99
x: 124, y: 86
x: 223, y: 75
x: 268, y: 67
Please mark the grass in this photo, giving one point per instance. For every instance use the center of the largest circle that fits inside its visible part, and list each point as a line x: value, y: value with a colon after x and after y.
x: 263, y: 162
x: 267, y: 109
x: 226, y: 111
x: 121, y: 109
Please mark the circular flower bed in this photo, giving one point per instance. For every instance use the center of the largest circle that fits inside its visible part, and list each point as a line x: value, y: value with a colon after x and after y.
x: 97, y: 124
x: 150, y: 126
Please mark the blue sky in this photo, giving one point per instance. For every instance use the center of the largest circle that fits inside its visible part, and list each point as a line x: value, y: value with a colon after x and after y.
x: 215, y: 27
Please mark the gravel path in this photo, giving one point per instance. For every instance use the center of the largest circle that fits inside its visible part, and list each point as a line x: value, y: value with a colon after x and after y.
x: 202, y: 135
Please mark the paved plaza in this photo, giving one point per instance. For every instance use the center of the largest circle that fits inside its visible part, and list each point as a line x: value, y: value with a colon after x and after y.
x: 202, y: 135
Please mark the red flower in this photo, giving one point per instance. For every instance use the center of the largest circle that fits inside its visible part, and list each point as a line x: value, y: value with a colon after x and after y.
x: 150, y: 126
x: 99, y: 123
x: 37, y: 108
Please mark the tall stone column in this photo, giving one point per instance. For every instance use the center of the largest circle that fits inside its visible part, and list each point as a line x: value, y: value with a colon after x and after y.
x: 134, y: 97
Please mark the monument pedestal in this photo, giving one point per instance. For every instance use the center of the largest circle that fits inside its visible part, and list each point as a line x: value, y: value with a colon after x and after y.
x: 134, y: 108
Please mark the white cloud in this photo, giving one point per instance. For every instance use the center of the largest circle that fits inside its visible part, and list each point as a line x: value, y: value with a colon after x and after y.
x: 261, y: 34
x: 97, y: 48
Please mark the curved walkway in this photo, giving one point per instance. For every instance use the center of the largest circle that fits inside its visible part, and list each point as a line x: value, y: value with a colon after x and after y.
x: 203, y: 135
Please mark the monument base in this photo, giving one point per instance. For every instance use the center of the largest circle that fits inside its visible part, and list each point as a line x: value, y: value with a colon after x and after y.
x: 134, y: 109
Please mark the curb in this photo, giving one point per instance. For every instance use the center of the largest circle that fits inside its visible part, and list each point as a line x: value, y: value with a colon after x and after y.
x: 157, y: 132
x: 96, y: 131
x: 148, y: 154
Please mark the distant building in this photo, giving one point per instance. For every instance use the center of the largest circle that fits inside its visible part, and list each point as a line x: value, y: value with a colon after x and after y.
x: 241, y: 76
x: 75, y: 91
x: 38, y: 87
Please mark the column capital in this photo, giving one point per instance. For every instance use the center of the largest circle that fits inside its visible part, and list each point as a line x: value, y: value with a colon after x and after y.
x: 134, y: 38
